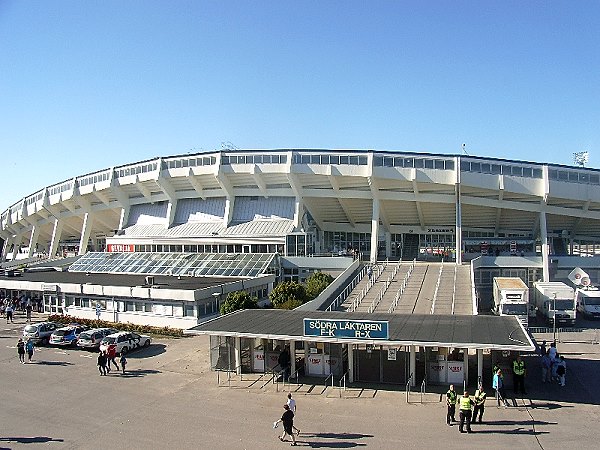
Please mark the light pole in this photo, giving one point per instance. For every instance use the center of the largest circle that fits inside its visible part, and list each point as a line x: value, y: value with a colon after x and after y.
x: 554, y: 319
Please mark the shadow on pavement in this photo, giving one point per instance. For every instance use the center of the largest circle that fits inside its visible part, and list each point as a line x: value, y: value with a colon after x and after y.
x: 51, y: 363
x: 147, y: 352
x: 341, y: 440
x: 515, y: 422
x: 30, y: 440
x: 139, y: 373
x: 515, y: 431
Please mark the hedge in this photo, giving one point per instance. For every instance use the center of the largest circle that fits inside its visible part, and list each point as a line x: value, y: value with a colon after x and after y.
x: 94, y: 323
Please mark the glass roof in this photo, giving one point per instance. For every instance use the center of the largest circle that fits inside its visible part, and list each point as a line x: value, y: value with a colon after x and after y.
x: 190, y: 264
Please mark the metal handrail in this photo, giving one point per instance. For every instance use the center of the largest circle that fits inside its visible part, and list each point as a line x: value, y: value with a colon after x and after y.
x: 437, y: 287
x: 408, y: 387
x: 229, y: 371
x: 454, y: 288
x: 347, y: 290
x: 273, y: 373
x: 295, y: 375
x: 343, y: 382
x: 423, y: 385
x: 402, y: 288
x: 326, y: 380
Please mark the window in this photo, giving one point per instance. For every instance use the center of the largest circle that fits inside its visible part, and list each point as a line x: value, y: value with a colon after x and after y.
x: 189, y: 310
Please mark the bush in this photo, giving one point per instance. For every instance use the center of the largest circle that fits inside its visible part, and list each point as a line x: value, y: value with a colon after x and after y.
x: 238, y: 300
x: 290, y: 290
x: 290, y: 304
x: 316, y: 283
x: 131, y: 327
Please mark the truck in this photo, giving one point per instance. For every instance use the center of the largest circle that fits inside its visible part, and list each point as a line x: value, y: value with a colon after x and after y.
x: 511, y: 298
x: 588, y: 302
x: 555, y: 300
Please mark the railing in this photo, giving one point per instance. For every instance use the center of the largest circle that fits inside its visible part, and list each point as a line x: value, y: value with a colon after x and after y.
x: 423, y: 386
x: 296, y: 376
x: 347, y: 290
x: 229, y: 372
x: 376, y: 274
x: 342, y: 383
x: 437, y: 287
x: 454, y: 288
x: 274, y: 376
x: 408, y: 388
x: 327, y: 383
x: 402, y: 287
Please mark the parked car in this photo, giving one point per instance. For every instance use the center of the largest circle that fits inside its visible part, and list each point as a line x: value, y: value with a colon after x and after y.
x: 91, y: 339
x: 40, y: 333
x: 67, y: 336
x: 125, y: 341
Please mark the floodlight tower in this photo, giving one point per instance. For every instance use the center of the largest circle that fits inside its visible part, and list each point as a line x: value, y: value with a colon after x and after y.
x: 581, y: 158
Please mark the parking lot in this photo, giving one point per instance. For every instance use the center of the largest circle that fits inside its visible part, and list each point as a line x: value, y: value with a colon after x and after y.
x: 169, y: 398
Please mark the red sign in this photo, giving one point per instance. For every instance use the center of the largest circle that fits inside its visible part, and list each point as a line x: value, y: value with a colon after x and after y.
x: 120, y: 248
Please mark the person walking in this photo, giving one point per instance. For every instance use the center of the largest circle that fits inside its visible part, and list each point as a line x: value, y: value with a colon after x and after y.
x: 292, y: 404
x: 498, y: 385
x: 451, y: 404
x: 111, y: 355
x: 102, y: 363
x: 284, y: 362
x: 29, y: 347
x: 288, y: 423
x: 546, y: 368
x: 28, y: 309
x: 466, y: 406
x: 561, y: 370
x: 479, y: 401
x: 519, y: 373
x: 9, y: 313
x: 543, y: 349
x: 21, y: 350
x: 123, y: 361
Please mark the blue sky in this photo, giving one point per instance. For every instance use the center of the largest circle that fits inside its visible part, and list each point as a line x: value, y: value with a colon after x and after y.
x: 93, y: 84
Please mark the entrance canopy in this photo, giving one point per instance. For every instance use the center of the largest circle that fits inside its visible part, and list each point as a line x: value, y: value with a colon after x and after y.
x: 425, y: 330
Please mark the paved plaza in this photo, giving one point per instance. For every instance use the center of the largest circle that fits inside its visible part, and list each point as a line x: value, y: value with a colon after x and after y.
x: 171, y: 399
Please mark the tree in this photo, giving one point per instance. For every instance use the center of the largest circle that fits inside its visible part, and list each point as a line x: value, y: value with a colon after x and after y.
x: 316, y: 283
x: 289, y: 290
x: 238, y: 300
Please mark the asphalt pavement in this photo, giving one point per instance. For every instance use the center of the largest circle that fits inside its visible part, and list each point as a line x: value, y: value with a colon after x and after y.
x: 170, y: 398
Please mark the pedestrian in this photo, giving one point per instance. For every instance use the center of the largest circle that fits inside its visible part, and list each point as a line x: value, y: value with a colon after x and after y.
x: 292, y: 404
x: 370, y: 272
x: 519, y: 373
x: 102, y: 363
x: 29, y: 347
x: 9, y: 313
x: 284, y: 362
x: 552, y: 351
x: 546, y: 368
x: 561, y: 370
x: 543, y: 349
x: 451, y: 403
x: 28, y: 309
x: 554, y: 367
x: 466, y: 406
x: 111, y: 355
x: 479, y: 401
x: 288, y: 423
x: 21, y: 350
x: 498, y: 385
x: 123, y: 362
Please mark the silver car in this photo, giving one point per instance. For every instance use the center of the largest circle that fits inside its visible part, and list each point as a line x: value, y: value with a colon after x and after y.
x: 91, y: 339
x: 40, y: 333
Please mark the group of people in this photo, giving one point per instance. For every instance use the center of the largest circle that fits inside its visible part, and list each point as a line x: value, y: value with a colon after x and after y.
x: 9, y: 306
x: 105, y: 358
x: 470, y: 409
x: 554, y: 367
x: 287, y: 419
x: 25, y: 346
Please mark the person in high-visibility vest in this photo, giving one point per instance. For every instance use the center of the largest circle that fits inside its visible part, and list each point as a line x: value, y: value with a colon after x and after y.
x: 451, y: 396
x: 466, y: 409
x: 519, y: 373
x: 479, y: 399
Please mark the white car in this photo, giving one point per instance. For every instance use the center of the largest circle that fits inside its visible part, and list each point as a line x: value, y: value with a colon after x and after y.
x: 125, y: 341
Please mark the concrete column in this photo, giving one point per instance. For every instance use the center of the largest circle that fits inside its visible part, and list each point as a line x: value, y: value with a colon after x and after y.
x: 7, y: 243
x: 350, y: 363
x: 298, y: 212
x: 374, y: 231
x: 480, y: 365
x: 56, y: 232
x: 124, y: 217
x: 544, y: 239
x: 18, y: 241
x: 292, y: 357
x: 413, y: 365
x: 86, y: 230
x: 35, y: 234
x: 458, y: 213
x: 229, y: 203
x: 466, y: 364
x: 171, y: 209
x: 238, y: 355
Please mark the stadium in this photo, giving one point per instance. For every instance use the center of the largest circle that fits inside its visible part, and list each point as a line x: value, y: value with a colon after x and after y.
x: 435, y: 229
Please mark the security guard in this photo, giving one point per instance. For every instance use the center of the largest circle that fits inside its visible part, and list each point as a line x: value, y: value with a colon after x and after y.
x: 479, y: 399
x: 466, y: 405
x: 519, y: 373
x: 451, y: 402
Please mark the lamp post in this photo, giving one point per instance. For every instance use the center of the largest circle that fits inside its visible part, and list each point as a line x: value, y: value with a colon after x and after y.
x: 554, y: 319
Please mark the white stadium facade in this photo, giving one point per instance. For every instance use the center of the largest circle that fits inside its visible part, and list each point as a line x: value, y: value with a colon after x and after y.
x: 515, y: 218
x: 413, y: 241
